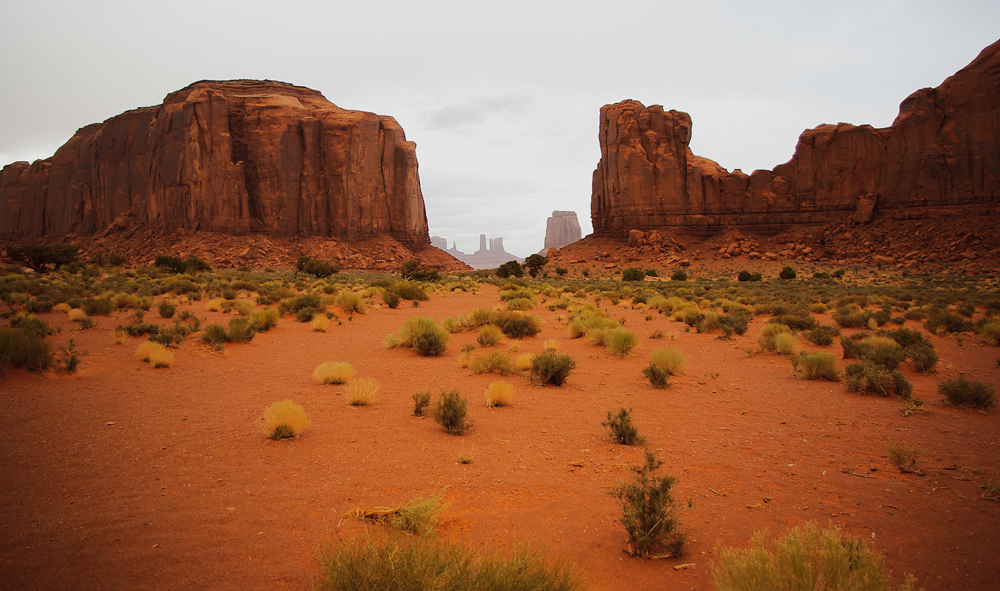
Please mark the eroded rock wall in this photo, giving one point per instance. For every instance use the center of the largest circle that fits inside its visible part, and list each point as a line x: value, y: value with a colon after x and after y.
x: 561, y: 228
x: 237, y: 157
x: 943, y: 149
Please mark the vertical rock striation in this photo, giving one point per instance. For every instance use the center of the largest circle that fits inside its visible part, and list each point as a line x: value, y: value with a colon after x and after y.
x: 237, y: 157
x: 943, y: 149
x: 561, y: 229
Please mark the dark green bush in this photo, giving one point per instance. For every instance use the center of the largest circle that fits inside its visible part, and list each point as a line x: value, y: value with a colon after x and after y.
x: 415, y: 270
x: 409, y: 291
x: 649, y: 512
x: 30, y: 325
x: 943, y: 321
x: 293, y: 305
x: 451, y: 412
x: 39, y: 257
x: 240, y: 331
x: 552, y: 367
x: 98, y: 306
x: 632, y: 274
x: 868, y: 378
x: 787, y: 273
x: 166, y: 309
x: 679, y: 275
x: 390, y: 298
x: 22, y: 349
x: 923, y: 356
x: 429, y: 344
x: 621, y: 429
x: 822, y: 335
x: 657, y: 376
x: 969, y: 393
x: 305, y: 314
x: 214, y: 334
x: 38, y: 305
x: 796, y: 322
x: 517, y: 325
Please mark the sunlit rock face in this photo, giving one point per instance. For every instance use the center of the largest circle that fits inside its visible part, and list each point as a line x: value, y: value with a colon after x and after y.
x: 943, y: 149
x: 235, y: 156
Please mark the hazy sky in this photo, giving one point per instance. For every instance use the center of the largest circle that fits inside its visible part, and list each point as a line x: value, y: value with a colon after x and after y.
x: 502, y: 98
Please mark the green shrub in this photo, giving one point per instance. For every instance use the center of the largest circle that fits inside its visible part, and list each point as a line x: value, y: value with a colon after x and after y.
x: 509, y: 269
x: 391, y: 299
x: 415, y: 563
x: 796, y: 322
x: 39, y: 257
x: 351, y: 302
x: 30, y: 325
x: 990, y: 331
x: 517, y: 325
x: 239, y: 331
x: 166, y: 309
x: 969, y: 393
x: 819, y: 366
x: 293, y: 305
x: 305, y: 314
x: 409, y: 291
x: 491, y: 362
x: 632, y: 274
x: 768, y: 333
x: 421, y: 400
x: 621, y: 429
x: 98, y: 306
x: 214, y: 334
x: 649, y: 513
x: 264, y: 319
x: 785, y: 343
x: 621, y: 342
x: 450, y: 412
x: 430, y: 344
x: 489, y: 335
x: 923, y: 356
x: 552, y: 367
x: 944, y: 322
x: 679, y: 275
x: 745, y: 276
x: 805, y: 559
x: 26, y: 350
x: 903, y: 455
x: 822, y: 335
x: 425, y: 333
x: 851, y: 316
x: 787, y: 273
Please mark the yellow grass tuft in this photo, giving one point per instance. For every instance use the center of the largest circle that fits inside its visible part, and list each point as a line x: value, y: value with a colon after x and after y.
x: 161, y: 357
x: 550, y: 345
x: 362, y: 391
x: 523, y: 362
x: 334, y: 372
x: 214, y: 305
x: 320, y: 323
x: 284, y: 419
x: 499, y: 393
x: 464, y: 360
x: 62, y: 307
x: 76, y: 315
x: 146, y: 349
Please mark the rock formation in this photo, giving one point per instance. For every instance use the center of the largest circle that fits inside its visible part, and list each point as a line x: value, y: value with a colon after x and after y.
x: 490, y: 255
x: 561, y: 229
x: 943, y: 149
x: 236, y: 157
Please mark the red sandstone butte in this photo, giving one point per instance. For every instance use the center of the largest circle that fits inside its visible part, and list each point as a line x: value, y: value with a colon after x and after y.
x: 561, y: 228
x: 943, y: 149
x: 239, y: 156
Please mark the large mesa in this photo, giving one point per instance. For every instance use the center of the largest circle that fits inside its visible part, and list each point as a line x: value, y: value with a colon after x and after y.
x: 943, y: 150
x: 235, y: 157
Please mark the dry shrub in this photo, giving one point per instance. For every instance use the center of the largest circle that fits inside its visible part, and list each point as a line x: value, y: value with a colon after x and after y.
x: 768, y: 334
x: 621, y: 342
x: 284, y: 419
x: 550, y: 345
x: 351, y: 302
x: 418, y: 516
x: 62, y: 307
x: 320, y: 323
x: 903, y: 455
x: 334, y: 372
x: 76, y: 315
x: 786, y: 344
x: 362, y: 391
x: 489, y: 335
x: 492, y: 362
x: 161, y: 357
x: 214, y: 305
x: 990, y: 331
x: 669, y: 359
x: 464, y: 360
x: 819, y: 366
x: 146, y: 349
x: 499, y: 393
x: 524, y: 361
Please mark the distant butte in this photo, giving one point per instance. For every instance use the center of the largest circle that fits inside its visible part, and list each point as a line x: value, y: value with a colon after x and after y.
x: 941, y: 152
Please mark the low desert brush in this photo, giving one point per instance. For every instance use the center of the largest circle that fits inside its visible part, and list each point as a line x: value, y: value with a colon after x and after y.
x: 649, y: 513
x: 903, y: 455
x: 351, y: 302
x: 991, y: 488
x: 524, y: 361
x: 621, y: 429
x: 499, y: 393
x: 424, y: 335
x: 451, y: 412
x: 417, y: 563
x: 621, y: 342
x: 551, y: 367
x: 161, y: 357
x: 23, y: 349
x: 362, y: 391
x: 320, y: 323
x: 785, y: 343
x: 264, y: 319
x: 491, y: 362
x: 284, y: 419
x: 489, y: 335
x: 669, y: 359
x: 550, y: 345
x: 819, y: 366
x: 421, y: 400
x: 990, y: 331
x: 76, y: 315
x: 657, y: 376
x: 334, y: 372
x: 418, y: 516
x: 869, y: 378
x: 805, y: 559
x: 768, y: 333
x: 968, y: 393
x: 214, y: 305
x: 145, y: 350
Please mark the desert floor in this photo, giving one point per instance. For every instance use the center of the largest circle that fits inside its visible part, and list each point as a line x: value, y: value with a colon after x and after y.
x: 122, y: 476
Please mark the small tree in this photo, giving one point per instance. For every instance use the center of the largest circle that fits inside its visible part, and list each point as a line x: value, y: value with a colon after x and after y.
x: 534, y: 263
x: 787, y: 273
x: 39, y: 257
x: 679, y: 275
x: 509, y: 269
x: 632, y: 274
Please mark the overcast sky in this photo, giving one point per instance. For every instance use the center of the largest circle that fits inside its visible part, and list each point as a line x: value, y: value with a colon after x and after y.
x: 502, y: 98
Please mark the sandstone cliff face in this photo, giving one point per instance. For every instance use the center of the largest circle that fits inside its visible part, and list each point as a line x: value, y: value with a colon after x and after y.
x: 236, y: 157
x: 943, y: 149
x: 561, y: 229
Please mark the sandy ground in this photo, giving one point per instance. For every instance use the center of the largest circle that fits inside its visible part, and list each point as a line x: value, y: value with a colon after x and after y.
x: 127, y: 477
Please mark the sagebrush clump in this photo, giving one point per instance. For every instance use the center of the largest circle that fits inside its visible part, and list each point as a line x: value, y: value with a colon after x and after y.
x: 968, y: 393
x: 451, y: 412
x: 552, y: 367
x: 621, y: 429
x: 423, y: 335
x: 649, y: 513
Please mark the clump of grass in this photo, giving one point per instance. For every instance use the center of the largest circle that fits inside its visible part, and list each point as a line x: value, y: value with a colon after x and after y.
x: 657, y: 376
x: 785, y: 343
x: 991, y: 488
x: 489, y: 335
x: 822, y: 335
x: 320, y: 323
x: 161, y: 357
x: 903, y: 455
x: 421, y: 400
x: 451, y: 412
x: 145, y: 350
x: 390, y: 298
x: 264, y: 319
x: 524, y: 361
x: 669, y: 359
x: 22, y: 349
x: 77, y: 315
x: 214, y: 305
x: 621, y: 342
x: 334, y: 372
x: 421, y: 334
x: 492, y: 362
x: 990, y: 331
x: 284, y: 420
x: 351, y: 302
x: 621, y: 429
x: 166, y: 309
x: 550, y: 345
x: 868, y: 378
x: 499, y: 393
x: 649, y: 513
x: 805, y: 558
x: 362, y: 392
x: 551, y: 367
x: 968, y: 393
x: 418, y: 516
x: 819, y: 366
x: 768, y: 334
x: 413, y: 562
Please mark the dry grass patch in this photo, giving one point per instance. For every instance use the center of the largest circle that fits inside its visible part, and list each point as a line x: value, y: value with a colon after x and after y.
x: 284, y: 419
x: 334, y: 372
x: 524, y: 361
x: 214, y: 305
x: 362, y: 391
x: 418, y: 516
x: 161, y: 357
x: 320, y: 323
x: 145, y: 350
x: 76, y: 315
x: 499, y: 393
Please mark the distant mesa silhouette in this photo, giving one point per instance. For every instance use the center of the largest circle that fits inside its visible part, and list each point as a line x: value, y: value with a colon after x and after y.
x: 489, y: 256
